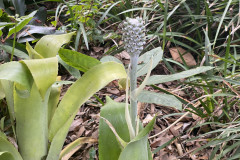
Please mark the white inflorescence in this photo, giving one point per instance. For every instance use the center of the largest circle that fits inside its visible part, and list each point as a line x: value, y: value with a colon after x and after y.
x: 134, y: 35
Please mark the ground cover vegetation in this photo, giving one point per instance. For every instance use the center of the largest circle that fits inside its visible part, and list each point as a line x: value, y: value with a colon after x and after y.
x: 147, y: 79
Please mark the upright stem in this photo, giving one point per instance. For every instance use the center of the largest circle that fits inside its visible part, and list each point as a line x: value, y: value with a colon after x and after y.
x: 133, y: 86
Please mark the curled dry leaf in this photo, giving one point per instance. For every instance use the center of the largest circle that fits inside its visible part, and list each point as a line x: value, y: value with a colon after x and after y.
x: 190, y: 61
x: 147, y: 119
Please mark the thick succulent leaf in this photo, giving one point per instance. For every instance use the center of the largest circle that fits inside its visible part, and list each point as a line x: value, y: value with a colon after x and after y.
x: 78, y: 60
x: 16, y: 72
x: 6, y: 156
x: 32, y: 124
x: 48, y: 46
x: 92, y: 81
x: 32, y: 53
x: 109, y: 147
x: 6, y: 146
x: 160, y: 99
x: 137, y: 150
x: 166, y: 78
x: 145, y: 130
x: 44, y: 72
x: 133, y: 150
x: 59, y: 138
x: 145, y: 59
x: 2, y: 94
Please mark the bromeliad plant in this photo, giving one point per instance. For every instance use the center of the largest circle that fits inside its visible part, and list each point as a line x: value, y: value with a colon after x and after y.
x: 32, y: 90
x: 128, y: 139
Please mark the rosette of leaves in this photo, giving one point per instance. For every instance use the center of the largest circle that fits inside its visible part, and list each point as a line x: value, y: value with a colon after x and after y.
x: 121, y: 135
x: 32, y: 91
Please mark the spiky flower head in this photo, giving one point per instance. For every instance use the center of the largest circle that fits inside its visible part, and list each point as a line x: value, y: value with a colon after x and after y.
x: 134, y: 35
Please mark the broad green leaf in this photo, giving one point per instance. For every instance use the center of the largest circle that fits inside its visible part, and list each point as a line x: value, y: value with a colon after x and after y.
x: 32, y: 124
x: 21, y: 24
x: 48, y: 46
x: 160, y: 99
x: 145, y: 59
x: 3, y: 136
x: 92, y: 81
x: 16, y: 72
x: 78, y: 60
x: 114, y: 112
x: 145, y: 130
x: 20, y: 6
x: 32, y: 53
x: 143, y: 84
x: 137, y: 150
x: 166, y: 78
x: 6, y: 156
x: 17, y: 52
x: 73, y: 71
x: 2, y: 94
x: 110, y: 58
x: 6, y: 146
x: 59, y: 138
x: 44, y: 72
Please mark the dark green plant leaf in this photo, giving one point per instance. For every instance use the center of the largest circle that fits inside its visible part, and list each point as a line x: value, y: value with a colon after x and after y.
x: 78, y: 60
x: 73, y: 71
x: 6, y: 146
x: 6, y: 156
x: 19, y: 6
x: 16, y: 72
x: 115, y: 113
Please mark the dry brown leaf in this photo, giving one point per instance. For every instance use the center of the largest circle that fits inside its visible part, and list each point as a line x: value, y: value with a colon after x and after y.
x: 124, y: 55
x: 76, y: 124
x: 113, y: 90
x: 81, y: 131
x: 147, y: 119
x: 98, y: 49
x: 190, y: 61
